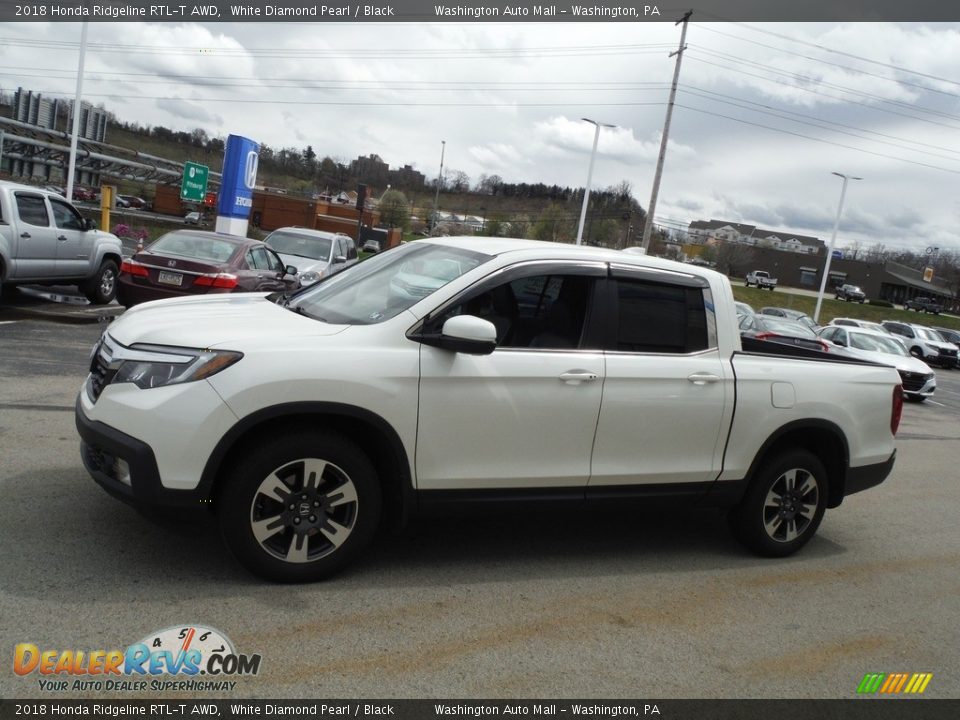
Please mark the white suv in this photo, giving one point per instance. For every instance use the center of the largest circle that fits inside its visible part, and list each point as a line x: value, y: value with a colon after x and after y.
x: 924, y: 343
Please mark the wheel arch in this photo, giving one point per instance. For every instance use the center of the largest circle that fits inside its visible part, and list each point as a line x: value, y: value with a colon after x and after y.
x: 371, y: 432
x: 822, y: 438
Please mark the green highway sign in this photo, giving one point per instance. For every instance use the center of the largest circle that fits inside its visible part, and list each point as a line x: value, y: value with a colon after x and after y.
x: 194, y: 185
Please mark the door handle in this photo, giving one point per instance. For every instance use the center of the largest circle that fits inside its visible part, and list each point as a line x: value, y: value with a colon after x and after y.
x: 62, y: 238
x: 703, y: 378
x: 25, y: 235
x: 575, y: 378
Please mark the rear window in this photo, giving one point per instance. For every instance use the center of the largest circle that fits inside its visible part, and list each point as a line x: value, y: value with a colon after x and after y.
x: 197, y: 247
x: 660, y: 318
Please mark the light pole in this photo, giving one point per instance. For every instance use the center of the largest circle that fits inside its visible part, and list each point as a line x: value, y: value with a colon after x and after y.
x: 833, y: 239
x: 436, y: 199
x: 586, y: 192
x: 77, y: 109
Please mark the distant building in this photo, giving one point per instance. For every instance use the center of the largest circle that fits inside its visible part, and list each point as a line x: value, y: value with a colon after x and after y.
x: 407, y: 177
x: 709, y: 232
x: 371, y: 170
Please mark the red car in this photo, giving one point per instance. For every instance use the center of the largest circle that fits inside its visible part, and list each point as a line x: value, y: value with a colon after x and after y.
x: 195, y: 262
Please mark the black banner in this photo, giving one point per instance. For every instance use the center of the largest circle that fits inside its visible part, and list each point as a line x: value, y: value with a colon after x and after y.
x: 858, y: 709
x: 334, y: 11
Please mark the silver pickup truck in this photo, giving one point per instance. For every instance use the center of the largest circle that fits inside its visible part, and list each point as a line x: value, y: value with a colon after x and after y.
x: 45, y: 241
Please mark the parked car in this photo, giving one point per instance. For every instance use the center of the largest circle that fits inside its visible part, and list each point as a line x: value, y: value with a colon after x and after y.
x: 56, y: 190
x: 924, y: 304
x: 924, y: 343
x: 317, y: 254
x: 44, y: 240
x: 133, y: 202
x: 197, y: 262
x: 797, y: 315
x: 743, y: 308
x: 309, y: 420
x: 761, y: 279
x: 781, y: 330
x: 851, y: 293
x: 856, y: 322
x: 193, y: 218
x: 120, y: 201
x: 950, y: 336
x: 371, y: 246
x: 83, y: 194
x: 918, y: 380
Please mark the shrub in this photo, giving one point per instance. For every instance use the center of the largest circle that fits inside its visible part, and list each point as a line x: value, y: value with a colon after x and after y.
x: 880, y: 303
x: 122, y: 230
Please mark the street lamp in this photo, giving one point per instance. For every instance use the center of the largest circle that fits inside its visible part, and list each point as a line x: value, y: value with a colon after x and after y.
x: 586, y: 192
x: 436, y: 199
x: 833, y: 239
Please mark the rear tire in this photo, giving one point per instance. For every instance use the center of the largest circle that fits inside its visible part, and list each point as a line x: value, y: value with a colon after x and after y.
x: 102, y: 287
x: 298, y: 506
x: 783, y: 506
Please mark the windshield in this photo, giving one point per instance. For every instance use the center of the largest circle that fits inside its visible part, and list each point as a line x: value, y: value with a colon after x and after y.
x: 928, y: 334
x: 387, y: 284
x: 308, y: 246
x: 877, y: 343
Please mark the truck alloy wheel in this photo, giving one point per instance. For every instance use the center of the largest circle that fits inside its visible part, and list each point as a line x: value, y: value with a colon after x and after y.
x: 102, y: 287
x: 783, y: 506
x: 300, y: 506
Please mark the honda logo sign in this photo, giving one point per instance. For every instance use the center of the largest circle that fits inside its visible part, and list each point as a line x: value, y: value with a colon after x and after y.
x: 250, y: 171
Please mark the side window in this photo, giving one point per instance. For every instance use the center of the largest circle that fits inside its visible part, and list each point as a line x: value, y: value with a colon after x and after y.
x: 544, y: 311
x: 341, y: 248
x: 660, y: 318
x: 829, y: 334
x: 65, y: 217
x: 32, y: 210
x: 351, y: 249
x: 273, y: 261
x: 255, y: 259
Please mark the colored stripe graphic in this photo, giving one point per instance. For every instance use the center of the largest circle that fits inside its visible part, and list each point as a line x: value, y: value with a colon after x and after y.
x: 871, y: 682
x: 894, y: 683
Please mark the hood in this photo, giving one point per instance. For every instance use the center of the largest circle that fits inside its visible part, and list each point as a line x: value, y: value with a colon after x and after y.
x: 303, y: 264
x: 208, y: 321
x: 905, y: 363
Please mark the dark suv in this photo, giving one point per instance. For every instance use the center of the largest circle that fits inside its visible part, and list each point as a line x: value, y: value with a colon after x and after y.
x: 851, y: 293
x: 923, y: 304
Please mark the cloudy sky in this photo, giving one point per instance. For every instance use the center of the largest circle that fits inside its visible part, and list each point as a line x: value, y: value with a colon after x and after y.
x: 764, y: 114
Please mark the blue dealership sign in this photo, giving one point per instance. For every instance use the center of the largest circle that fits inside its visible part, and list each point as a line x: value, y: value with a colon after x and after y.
x: 238, y: 178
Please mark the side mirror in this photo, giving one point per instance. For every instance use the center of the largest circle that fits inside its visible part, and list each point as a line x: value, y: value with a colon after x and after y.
x: 89, y: 224
x: 290, y: 270
x: 339, y: 260
x: 840, y: 341
x: 465, y: 334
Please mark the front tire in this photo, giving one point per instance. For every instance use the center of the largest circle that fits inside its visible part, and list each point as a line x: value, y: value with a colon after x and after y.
x: 299, y: 506
x: 102, y: 287
x: 783, y: 506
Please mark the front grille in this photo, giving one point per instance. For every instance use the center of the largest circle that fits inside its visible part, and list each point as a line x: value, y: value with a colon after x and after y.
x: 912, y: 382
x: 948, y: 352
x: 100, y: 372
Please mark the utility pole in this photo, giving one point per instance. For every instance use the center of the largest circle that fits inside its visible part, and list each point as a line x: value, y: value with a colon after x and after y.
x: 436, y: 199
x: 651, y: 209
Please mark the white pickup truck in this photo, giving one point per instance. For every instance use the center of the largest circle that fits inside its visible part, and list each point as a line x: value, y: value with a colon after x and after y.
x: 45, y: 241
x: 761, y: 279
x: 473, y: 370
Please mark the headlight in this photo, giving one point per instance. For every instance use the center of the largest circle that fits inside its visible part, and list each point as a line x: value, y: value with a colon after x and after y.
x: 156, y: 367
x: 309, y: 277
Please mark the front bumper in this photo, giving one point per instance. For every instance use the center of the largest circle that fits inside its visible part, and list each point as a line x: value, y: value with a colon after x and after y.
x: 101, y: 446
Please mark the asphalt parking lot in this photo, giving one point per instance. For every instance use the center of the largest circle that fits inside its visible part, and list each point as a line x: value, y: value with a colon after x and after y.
x: 611, y: 604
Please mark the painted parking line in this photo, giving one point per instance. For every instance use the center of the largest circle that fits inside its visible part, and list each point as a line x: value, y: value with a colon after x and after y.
x: 8, y: 322
x: 934, y: 402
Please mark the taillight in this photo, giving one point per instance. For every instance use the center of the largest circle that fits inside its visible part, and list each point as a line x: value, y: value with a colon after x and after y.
x: 824, y: 346
x: 134, y: 268
x: 897, y: 409
x: 765, y: 335
x: 222, y: 280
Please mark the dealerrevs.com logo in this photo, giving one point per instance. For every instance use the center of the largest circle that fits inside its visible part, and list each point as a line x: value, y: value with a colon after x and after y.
x: 188, y: 658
